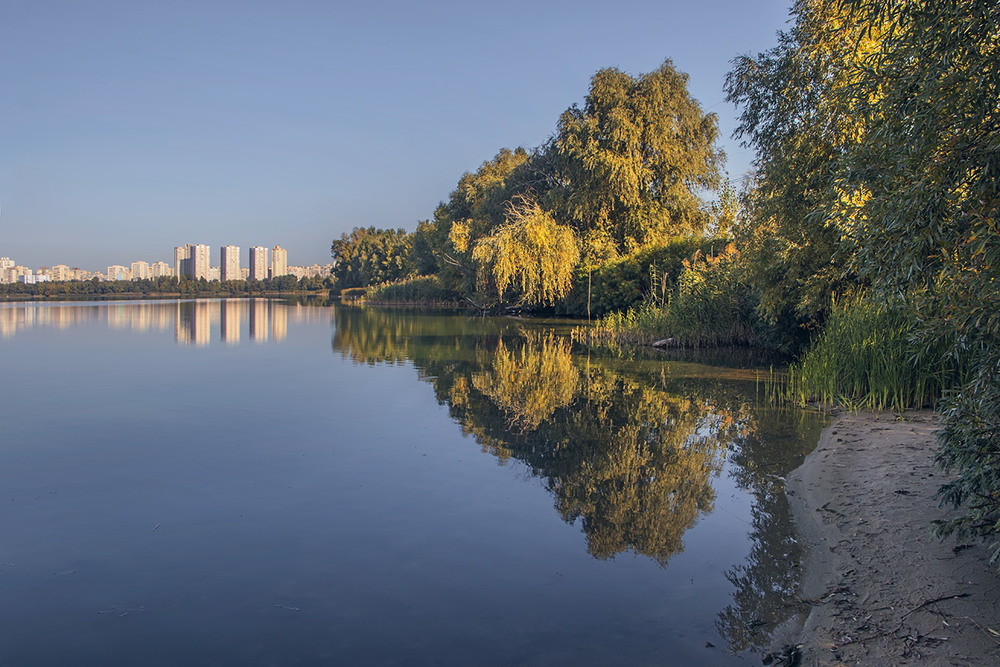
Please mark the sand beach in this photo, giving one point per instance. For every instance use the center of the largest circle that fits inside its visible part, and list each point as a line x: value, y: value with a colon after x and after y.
x: 879, y: 588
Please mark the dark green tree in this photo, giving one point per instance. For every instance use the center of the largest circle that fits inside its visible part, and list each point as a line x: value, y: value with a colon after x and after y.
x: 423, y: 259
x: 369, y: 256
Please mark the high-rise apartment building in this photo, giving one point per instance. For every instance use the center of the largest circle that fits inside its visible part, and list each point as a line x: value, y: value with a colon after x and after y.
x: 229, y: 265
x: 182, y: 259
x: 279, y: 261
x: 140, y: 270
x: 159, y: 270
x: 258, y: 263
x: 200, y: 261
x: 192, y: 260
x: 118, y: 272
x: 7, y: 270
x: 13, y: 274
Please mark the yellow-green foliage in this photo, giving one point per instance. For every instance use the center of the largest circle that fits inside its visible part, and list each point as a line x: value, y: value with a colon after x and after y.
x: 529, y: 382
x: 532, y: 253
x: 642, y: 324
x: 633, y: 158
x: 625, y: 282
x: 712, y: 304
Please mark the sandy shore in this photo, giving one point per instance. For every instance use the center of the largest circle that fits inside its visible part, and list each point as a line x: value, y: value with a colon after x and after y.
x: 879, y: 588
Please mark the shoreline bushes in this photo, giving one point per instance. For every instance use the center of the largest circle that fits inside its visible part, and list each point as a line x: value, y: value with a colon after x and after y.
x: 710, y: 305
x: 424, y: 290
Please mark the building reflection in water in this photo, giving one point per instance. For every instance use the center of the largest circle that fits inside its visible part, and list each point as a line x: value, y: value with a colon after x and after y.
x: 192, y: 321
x: 279, y: 322
x: 229, y: 329
x: 259, y: 313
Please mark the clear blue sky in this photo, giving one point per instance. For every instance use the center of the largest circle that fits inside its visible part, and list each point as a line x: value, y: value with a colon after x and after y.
x: 132, y: 126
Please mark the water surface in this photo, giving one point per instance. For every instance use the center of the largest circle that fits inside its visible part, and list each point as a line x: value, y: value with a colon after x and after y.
x: 263, y: 482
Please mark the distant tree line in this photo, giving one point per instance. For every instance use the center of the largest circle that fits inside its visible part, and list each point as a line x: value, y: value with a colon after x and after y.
x: 164, y: 285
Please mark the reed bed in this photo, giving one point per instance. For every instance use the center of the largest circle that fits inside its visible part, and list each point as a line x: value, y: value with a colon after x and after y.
x: 711, y: 306
x: 865, y: 359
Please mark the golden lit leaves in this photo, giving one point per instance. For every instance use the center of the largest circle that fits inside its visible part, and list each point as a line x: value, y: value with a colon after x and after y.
x: 532, y: 253
x: 531, y: 380
x: 634, y: 156
x: 651, y: 478
x: 459, y: 236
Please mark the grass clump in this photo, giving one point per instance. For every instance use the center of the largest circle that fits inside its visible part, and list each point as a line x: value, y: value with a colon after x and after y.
x: 865, y: 358
x: 639, y: 325
x: 352, y: 293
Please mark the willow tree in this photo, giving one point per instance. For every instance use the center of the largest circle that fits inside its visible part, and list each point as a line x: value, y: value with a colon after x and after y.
x: 631, y: 162
x: 532, y: 253
x: 791, y: 114
x: 475, y: 208
x: 928, y: 227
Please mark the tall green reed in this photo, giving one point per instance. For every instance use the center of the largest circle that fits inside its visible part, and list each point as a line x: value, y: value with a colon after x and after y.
x: 865, y: 359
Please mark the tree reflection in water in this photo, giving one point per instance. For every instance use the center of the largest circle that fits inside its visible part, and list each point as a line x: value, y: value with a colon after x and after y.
x: 528, y: 379
x: 768, y: 578
x: 630, y: 452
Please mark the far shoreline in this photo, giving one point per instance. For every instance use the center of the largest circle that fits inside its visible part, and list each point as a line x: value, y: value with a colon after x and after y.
x: 133, y: 296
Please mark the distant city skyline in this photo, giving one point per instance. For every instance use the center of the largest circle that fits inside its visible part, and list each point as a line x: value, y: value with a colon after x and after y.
x: 193, y: 260
x: 235, y: 249
x: 130, y: 125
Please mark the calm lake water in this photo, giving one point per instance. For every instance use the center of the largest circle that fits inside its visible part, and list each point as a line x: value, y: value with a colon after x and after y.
x: 261, y: 482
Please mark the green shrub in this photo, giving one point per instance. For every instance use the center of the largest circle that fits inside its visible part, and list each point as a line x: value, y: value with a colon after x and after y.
x: 970, y: 445
x: 419, y: 289
x: 710, y: 305
x: 627, y: 282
